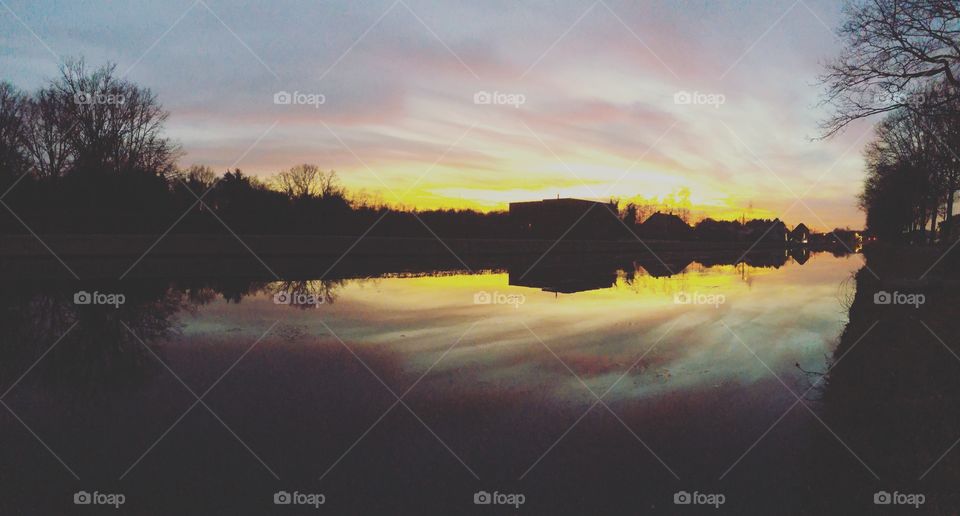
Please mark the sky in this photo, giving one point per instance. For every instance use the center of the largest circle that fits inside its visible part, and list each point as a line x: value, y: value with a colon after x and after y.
x: 708, y: 105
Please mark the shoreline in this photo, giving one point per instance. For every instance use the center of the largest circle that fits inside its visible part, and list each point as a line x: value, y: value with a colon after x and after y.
x: 104, y: 257
x: 98, y: 246
x: 892, y: 385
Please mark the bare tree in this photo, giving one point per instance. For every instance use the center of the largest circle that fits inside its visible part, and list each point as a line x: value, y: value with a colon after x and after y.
x: 116, y: 125
x: 12, y: 159
x: 944, y: 125
x: 46, y: 137
x: 300, y: 181
x: 199, y: 178
x: 895, y: 50
x: 909, y: 173
x: 306, y: 180
x: 330, y: 185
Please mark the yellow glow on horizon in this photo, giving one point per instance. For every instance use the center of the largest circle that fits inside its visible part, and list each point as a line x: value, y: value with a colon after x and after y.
x: 426, y: 197
x: 485, y: 174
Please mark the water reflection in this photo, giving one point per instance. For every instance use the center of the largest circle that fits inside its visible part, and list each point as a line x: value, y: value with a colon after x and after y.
x: 565, y: 277
x: 317, y: 292
x: 694, y: 381
x: 800, y: 254
x: 90, y: 347
x: 102, y: 347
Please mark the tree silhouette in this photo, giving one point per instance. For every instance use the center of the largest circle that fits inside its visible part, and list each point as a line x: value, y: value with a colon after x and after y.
x: 90, y: 155
x: 112, y: 124
x: 12, y: 158
x: 895, y: 50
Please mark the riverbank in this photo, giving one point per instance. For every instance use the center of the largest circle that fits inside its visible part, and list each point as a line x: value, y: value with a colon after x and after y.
x: 16, y: 246
x: 892, y: 392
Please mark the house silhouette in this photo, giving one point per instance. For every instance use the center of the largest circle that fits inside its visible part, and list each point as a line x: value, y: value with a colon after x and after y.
x: 666, y: 226
x: 800, y: 234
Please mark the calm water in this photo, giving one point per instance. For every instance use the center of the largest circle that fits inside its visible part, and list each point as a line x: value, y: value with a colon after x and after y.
x: 499, y: 387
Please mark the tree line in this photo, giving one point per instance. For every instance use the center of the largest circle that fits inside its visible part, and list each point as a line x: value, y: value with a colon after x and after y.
x: 87, y: 153
x: 901, y: 60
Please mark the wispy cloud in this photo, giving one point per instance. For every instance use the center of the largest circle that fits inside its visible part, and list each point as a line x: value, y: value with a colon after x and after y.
x: 600, y: 97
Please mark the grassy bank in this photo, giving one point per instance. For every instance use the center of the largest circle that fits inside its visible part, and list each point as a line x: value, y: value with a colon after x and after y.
x: 894, y: 387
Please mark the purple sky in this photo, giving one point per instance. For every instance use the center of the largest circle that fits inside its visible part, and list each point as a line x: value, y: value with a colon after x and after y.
x: 586, y: 101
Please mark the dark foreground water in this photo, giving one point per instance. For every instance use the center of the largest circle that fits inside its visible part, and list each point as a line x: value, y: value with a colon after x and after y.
x: 577, y: 392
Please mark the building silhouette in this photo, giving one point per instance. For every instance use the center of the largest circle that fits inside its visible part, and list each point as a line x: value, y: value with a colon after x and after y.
x: 666, y: 226
x: 569, y: 218
x: 800, y: 234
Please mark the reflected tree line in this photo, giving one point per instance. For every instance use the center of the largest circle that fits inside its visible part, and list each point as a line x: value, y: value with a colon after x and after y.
x: 104, y: 347
x: 566, y: 276
x: 94, y: 349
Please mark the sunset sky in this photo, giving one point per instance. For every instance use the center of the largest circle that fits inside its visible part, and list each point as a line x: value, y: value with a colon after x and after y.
x: 399, y: 78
